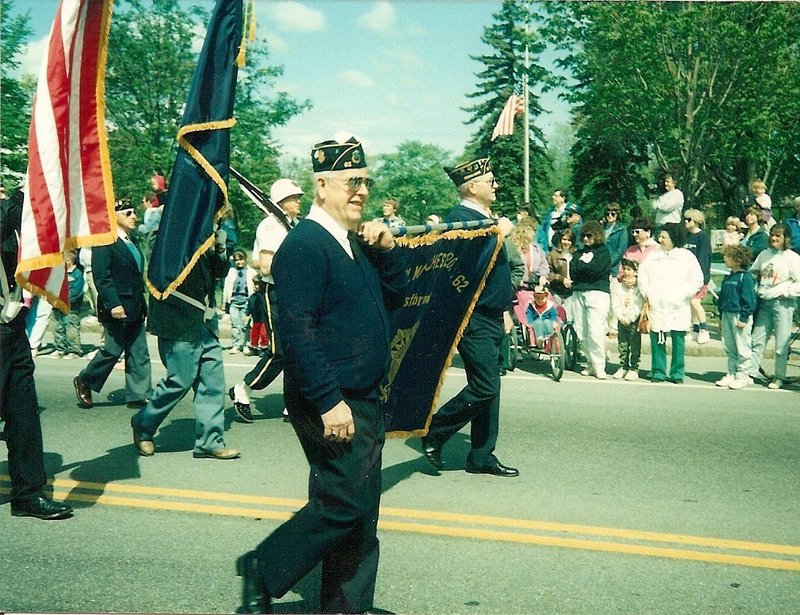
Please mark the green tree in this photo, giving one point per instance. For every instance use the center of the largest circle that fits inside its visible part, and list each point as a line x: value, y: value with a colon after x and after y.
x: 694, y: 88
x: 414, y: 176
x: 16, y: 93
x: 150, y: 66
x: 502, y: 76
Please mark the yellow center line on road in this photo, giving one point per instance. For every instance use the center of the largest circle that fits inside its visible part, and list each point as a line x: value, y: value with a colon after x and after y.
x: 84, y: 491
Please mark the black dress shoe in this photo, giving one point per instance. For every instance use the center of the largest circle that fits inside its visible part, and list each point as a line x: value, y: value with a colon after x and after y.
x: 41, y: 508
x: 254, y: 596
x: 494, y: 469
x: 243, y: 410
x: 83, y: 393
x: 433, y: 452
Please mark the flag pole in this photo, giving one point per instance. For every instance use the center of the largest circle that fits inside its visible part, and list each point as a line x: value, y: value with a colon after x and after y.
x: 526, y: 152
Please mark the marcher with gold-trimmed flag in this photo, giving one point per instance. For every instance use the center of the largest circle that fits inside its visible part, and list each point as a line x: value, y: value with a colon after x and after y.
x: 479, y: 402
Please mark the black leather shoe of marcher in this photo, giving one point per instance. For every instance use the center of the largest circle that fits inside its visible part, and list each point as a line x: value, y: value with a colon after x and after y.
x: 254, y: 596
x: 433, y: 453
x: 243, y: 410
x: 41, y: 508
x: 495, y: 469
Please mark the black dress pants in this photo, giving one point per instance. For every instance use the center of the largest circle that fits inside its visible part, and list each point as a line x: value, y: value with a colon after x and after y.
x: 338, y: 526
x: 477, y: 403
x: 19, y: 408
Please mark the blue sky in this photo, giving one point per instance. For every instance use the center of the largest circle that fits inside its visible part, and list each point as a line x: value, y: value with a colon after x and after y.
x: 385, y: 71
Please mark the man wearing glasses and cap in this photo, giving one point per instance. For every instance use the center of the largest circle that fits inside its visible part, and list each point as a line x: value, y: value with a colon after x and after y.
x: 270, y: 234
x: 335, y: 278
x: 117, y: 269
x: 479, y: 402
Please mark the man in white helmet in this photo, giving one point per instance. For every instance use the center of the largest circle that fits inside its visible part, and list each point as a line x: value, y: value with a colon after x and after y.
x: 271, y: 232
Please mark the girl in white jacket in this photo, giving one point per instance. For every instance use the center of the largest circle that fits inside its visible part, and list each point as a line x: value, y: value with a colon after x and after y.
x: 778, y: 271
x: 668, y: 279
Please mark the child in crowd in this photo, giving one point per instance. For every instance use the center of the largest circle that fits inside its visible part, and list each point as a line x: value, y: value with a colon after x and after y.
x: 257, y: 311
x: 764, y: 202
x: 67, y: 331
x: 542, y: 315
x: 737, y: 302
x: 238, y: 286
x: 626, y: 305
x: 733, y: 232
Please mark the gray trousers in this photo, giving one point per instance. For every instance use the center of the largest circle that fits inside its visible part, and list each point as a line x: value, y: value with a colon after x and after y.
x: 191, y: 366
x: 122, y: 337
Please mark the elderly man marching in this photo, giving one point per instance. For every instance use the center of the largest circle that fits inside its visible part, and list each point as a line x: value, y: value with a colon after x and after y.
x: 269, y: 236
x: 479, y: 402
x: 333, y: 290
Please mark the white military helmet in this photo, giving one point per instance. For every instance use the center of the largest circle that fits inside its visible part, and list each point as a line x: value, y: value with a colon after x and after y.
x: 283, y: 188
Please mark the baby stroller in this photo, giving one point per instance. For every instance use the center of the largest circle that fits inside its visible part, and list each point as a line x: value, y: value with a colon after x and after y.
x: 556, y: 342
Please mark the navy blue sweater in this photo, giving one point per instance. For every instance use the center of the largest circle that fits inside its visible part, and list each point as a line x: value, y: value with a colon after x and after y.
x: 738, y: 294
x: 498, y: 290
x: 333, y: 322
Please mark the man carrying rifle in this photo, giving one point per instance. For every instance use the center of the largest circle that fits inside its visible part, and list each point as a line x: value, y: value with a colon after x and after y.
x: 285, y: 195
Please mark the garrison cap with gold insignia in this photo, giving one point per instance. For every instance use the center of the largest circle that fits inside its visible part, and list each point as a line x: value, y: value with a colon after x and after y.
x: 334, y: 156
x: 122, y: 204
x: 466, y: 171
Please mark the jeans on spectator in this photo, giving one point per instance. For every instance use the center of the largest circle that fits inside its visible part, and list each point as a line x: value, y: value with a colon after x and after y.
x: 238, y: 326
x: 67, y: 332
x: 773, y: 315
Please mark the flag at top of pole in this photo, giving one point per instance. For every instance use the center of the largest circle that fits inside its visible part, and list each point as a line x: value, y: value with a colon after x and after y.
x: 198, y: 190
x: 68, y: 193
x: 505, y: 123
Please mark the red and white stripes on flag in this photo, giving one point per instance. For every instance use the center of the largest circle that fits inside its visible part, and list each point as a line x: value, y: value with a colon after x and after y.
x: 69, y: 197
x: 505, y: 123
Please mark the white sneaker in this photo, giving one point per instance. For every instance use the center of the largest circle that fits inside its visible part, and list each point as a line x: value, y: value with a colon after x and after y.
x: 587, y: 372
x: 725, y: 381
x: 738, y: 383
x: 775, y: 384
x: 703, y: 337
x: 632, y: 375
x: 601, y: 375
x: 620, y: 373
x: 247, y: 351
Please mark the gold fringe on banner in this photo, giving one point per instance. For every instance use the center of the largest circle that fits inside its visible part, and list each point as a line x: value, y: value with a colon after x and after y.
x: 426, y: 240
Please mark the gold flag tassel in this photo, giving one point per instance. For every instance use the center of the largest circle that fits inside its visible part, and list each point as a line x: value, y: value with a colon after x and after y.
x: 248, y: 33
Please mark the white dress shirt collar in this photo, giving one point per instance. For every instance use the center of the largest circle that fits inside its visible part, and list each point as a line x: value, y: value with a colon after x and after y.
x: 326, y: 221
x: 472, y: 205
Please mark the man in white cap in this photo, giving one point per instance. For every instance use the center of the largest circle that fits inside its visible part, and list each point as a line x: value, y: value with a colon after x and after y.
x: 271, y: 232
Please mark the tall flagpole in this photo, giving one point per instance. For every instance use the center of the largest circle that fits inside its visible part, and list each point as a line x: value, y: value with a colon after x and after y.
x: 526, y: 155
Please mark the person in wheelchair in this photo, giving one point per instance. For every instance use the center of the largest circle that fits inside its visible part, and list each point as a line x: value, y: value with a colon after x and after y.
x: 542, y: 316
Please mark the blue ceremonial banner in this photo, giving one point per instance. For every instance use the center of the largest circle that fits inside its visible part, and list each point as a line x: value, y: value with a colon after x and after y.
x: 447, y: 273
x: 198, y: 184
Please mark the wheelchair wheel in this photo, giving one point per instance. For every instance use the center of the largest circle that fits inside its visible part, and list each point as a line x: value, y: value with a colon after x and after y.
x: 557, y: 355
x: 793, y: 363
x: 570, y: 345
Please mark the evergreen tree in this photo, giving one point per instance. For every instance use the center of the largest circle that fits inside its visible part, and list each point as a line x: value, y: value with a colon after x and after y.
x: 501, y: 77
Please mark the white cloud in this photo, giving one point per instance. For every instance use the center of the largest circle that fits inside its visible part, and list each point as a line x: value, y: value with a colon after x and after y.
x: 31, y: 59
x: 381, y: 18
x: 296, y: 17
x: 277, y: 43
x: 357, y: 78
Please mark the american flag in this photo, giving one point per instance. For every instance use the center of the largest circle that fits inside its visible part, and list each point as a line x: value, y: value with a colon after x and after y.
x: 505, y: 123
x: 69, y: 197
